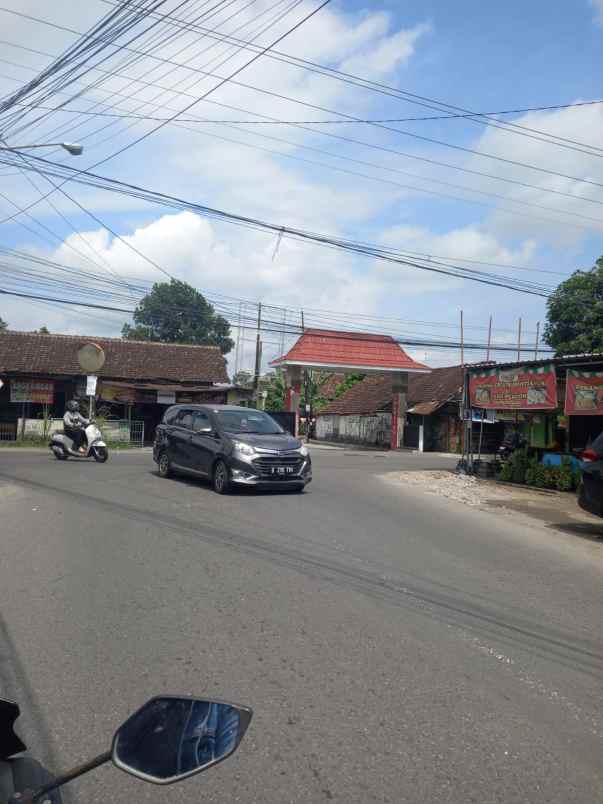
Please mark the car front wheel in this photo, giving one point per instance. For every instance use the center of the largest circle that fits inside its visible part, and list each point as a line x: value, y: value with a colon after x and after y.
x: 221, y: 478
x: 163, y: 466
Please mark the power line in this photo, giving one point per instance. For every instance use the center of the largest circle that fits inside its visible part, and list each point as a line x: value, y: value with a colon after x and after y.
x: 294, y: 331
x: 370, y: 250
x: 410, y: 97
x: 334, y: 121
x: 378, y: 125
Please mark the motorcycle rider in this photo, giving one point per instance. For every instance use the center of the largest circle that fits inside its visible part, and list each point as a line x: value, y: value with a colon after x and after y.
x: 74, y: 424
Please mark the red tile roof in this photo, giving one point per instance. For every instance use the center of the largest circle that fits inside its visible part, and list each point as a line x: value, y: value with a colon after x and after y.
x: 374, y: 393
x: 322, y: 348
x: 32, y: 353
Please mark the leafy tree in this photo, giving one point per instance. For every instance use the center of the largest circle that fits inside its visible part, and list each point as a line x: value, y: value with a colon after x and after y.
x: 174, y: 312
x: 44, y: 331
x: 350, y: 381
x: 575, y: 313
x: 275, y: 391
x: 3, y: 325
x: 243, y: 378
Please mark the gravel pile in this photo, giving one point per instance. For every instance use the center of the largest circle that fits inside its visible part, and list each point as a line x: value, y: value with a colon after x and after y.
x: 444, y: 484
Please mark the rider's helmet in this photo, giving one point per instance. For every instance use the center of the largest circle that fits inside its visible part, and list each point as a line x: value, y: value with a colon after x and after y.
x: 73, y: 406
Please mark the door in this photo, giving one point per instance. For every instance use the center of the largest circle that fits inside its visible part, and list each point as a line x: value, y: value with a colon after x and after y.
x: 203, y: 444
x: 180, y: 437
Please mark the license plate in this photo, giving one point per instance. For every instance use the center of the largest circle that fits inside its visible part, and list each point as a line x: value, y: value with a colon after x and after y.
x: 282, y: 470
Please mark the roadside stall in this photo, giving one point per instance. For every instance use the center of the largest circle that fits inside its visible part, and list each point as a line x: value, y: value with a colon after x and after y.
x: 552, y: 409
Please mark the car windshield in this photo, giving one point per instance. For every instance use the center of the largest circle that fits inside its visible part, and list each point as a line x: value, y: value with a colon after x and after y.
x: 248, y: 421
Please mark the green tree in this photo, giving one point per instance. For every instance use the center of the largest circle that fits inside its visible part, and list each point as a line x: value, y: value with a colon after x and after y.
x: 3, y: 325
x: 575, y: 313
x: 44, y: 331
x: 174, y: 312
x: 275, y: 391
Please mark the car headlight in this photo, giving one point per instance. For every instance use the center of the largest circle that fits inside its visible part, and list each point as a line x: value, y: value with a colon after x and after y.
x: 303, y: 450
x: 243, y: 449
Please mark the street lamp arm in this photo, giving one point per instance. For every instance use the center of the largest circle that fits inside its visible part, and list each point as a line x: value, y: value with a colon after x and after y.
x: 75, y: 149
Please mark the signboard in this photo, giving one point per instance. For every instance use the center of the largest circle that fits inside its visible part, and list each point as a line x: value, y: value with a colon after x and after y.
x: 166, y: 397
x: 91, y: 380
x: 39, y: 391
x: 584, y: 393
x: 520, y: 388
x: 115, y: 393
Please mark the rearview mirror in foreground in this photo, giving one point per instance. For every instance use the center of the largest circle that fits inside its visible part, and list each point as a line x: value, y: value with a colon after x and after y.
x: 171, y: 738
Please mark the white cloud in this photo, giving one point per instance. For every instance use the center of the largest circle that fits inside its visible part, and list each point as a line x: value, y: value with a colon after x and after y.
x: 598, y: 8
x: 580, y: 124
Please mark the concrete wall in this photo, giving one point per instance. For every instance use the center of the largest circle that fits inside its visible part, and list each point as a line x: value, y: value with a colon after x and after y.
x: 375, y: 430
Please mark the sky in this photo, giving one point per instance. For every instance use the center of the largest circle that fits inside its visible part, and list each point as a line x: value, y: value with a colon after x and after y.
x: 423, y: 186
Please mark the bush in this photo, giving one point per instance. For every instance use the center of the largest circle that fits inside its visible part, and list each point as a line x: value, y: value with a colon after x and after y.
x: 506, y: 473
x: 532, y: 472
x: 565, y: 479
x: 551, y: 477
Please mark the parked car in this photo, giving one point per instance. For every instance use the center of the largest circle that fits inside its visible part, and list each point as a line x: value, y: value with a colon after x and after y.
x: 230, y: 446
x: 590, y: 493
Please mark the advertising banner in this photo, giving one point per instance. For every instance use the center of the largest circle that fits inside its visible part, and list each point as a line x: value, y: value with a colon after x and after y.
x: 115, y: 393
x: 584, y: 393
x: 520, y: 388
x: 38, y: 391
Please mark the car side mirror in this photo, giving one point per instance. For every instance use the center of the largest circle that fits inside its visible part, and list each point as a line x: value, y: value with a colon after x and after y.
x: 171, y: 738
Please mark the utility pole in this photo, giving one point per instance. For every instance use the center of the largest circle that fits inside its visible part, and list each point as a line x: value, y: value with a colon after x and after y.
x: 258, y: 356
x: 462, y: 342
x: 238, y: 346
x: 537, y: 339
x: 519, y: 339
x: 489, y: 340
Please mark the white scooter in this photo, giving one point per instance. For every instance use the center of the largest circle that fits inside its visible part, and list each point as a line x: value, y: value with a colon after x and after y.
x: 63, y: 447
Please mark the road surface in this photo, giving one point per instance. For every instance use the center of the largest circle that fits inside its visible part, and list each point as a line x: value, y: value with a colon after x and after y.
x: 396, y: 647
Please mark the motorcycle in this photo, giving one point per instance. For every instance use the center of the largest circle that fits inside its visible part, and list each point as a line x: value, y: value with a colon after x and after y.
x: 167, y: 740
x: 63, y: 447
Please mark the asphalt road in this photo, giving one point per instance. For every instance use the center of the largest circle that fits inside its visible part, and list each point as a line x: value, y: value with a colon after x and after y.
x: 396, y: 647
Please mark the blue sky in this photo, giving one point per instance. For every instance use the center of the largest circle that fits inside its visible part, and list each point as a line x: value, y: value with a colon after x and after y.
x: 479, y: 56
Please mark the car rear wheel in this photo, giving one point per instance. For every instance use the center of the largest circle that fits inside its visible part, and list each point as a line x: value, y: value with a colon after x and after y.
x: 164, y: 466
x: 221, y: 478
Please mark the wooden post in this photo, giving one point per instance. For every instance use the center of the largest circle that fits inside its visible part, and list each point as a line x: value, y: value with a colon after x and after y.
x: 489, y: 340
x: 462, y: 342
x: 519, y: 339
x: 537, y: 339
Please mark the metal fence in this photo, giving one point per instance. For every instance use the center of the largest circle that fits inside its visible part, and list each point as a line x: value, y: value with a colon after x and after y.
x: 122, y: 431
x: 8, y: 431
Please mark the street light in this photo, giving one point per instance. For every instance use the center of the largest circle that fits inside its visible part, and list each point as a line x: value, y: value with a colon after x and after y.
x: 73, y: 148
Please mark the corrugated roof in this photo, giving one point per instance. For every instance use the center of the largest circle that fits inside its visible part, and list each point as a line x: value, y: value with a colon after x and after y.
x: 33, y: 353
x: 349, y: 350
x: 374, y: 393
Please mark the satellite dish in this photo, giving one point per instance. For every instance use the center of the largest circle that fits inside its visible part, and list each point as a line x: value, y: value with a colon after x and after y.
x: 91, y: 358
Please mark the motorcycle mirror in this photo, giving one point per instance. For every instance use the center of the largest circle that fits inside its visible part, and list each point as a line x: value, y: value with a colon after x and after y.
x: 171, y: 738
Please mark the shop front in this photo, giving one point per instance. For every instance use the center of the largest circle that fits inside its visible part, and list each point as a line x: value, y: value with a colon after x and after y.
x: 554, y: 407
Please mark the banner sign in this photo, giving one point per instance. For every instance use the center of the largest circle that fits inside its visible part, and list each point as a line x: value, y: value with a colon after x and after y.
x: 166, y: 397
x: 115, y: 393
x: 584, y: 393
x: 91, y: 381
x: 39, y: 391
x: 520, y: 388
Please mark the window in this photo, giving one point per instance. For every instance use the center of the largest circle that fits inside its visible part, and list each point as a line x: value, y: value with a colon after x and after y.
x: 170, y: 416
x: 186, y: 419
x: 248, y: 421
x: 200, y: 421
